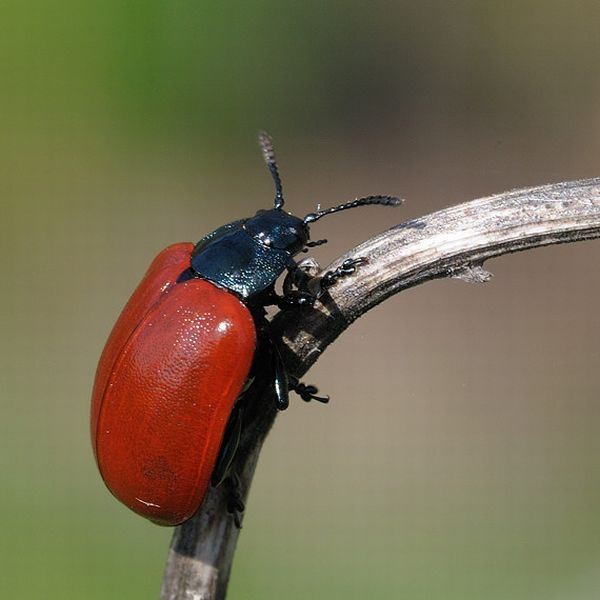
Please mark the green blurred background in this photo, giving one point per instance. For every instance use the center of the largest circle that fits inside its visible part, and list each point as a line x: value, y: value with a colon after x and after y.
x: 458, y: 458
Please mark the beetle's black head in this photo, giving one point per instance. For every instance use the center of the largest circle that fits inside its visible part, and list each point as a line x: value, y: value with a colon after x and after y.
x: 277, y: 229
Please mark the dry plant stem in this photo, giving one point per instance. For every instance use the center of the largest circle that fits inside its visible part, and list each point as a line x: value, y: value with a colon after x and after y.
x: 449, y: 243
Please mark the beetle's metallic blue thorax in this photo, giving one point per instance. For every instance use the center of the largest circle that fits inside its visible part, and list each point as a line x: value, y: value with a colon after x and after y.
x: 248, y: 256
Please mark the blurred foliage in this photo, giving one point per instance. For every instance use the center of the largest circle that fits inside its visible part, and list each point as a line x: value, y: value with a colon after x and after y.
x: 211, y: 70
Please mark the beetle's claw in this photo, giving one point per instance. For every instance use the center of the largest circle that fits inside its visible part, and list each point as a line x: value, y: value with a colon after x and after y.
x: 307, y: 392
x: 348, y: 267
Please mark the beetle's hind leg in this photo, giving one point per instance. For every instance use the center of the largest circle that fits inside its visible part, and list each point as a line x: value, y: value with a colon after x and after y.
x: 229, y: 445
x: 297, y: 289
x: 222, y: 473
x: 235, y: 503
x: 348, y: 267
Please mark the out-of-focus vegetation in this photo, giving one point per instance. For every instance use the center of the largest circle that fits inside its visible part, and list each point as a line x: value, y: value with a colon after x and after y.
x: 459, y: 457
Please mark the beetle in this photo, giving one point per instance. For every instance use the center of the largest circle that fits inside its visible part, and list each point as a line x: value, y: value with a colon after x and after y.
x: 183, y: 356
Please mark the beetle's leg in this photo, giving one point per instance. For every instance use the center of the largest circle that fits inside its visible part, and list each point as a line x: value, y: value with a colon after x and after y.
x: 231, y: 440
x: 297, y: 289
x: 348, y: 267
x: 285, y: 382
x: 222, y: 474
x: 291, y: 298
x: 235, y: 503
x: 310, y: 287
x: 296, y: 299
x: 306, y: 392
x: 280, y: 378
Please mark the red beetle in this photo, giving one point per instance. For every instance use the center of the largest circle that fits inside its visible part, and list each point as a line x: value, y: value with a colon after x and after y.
x: 172, y: 374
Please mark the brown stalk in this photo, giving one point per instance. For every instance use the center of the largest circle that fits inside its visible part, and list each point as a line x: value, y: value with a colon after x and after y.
x: 454, y: 242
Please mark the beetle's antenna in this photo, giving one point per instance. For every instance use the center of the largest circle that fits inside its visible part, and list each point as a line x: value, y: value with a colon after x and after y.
x: 266, y: 145
x: 382, y: 200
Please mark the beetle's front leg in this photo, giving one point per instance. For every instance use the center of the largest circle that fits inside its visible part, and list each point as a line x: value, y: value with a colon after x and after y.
x: 229, y: 445
x: 310, y: 286
x: 348, y: 267
x: 295, y: 299
x: 302, y: 287
x: 279, y: 376
x: 222, y: 473
x: 235, y: 503
x: 300, y: 275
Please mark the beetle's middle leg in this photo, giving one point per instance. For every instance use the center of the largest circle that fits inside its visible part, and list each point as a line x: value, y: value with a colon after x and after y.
x: 348, y: 267
x: 283, y: 382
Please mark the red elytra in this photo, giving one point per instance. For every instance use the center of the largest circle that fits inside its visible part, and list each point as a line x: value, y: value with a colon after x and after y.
x: 169, y: 375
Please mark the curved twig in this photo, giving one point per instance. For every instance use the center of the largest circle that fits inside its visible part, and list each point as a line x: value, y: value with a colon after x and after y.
x: 449, y: 243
